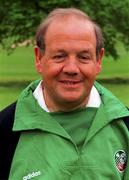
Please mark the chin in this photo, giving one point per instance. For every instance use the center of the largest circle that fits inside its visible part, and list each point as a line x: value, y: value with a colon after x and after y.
x: 72, y: 95
x: 71, y: 99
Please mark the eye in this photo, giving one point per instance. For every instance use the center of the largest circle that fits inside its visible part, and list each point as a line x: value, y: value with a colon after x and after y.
x: 59, y: 57
x: 85, y: 58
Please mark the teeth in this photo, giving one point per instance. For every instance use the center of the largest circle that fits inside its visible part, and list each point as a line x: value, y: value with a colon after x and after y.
x: 70, y: 83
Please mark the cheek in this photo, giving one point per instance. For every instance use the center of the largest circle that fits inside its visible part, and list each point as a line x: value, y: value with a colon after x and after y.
x: 89, y: 71
x: 50, y: 71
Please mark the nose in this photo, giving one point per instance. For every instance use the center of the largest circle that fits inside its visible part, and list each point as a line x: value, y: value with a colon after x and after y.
x: 71, y: 66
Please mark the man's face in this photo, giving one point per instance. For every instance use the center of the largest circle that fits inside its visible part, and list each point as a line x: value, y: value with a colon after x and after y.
x: 68, y: 65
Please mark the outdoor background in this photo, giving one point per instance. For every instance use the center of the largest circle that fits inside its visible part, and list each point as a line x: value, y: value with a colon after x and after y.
x: 17, y: 70
x: 19, y: 22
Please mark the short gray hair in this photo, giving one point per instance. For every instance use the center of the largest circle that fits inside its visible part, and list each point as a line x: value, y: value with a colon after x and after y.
x: 60, y: 12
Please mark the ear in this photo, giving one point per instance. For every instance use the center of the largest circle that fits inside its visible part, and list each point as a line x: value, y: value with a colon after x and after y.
x: 99, y: 60
x: 38, y: 58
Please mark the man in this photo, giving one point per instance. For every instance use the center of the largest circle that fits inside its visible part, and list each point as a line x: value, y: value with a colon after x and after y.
x: 67, y: 126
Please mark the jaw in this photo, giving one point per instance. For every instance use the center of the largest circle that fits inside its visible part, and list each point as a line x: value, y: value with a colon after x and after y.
x: 65, y: 99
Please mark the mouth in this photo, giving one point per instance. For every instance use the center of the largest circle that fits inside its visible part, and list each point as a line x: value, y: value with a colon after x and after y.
x: 70, y: 83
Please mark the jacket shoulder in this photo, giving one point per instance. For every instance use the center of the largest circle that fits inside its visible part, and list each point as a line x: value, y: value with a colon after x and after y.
x: 8, y: 139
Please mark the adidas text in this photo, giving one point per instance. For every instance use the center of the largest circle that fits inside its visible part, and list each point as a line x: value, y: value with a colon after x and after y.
x: 31, y: 175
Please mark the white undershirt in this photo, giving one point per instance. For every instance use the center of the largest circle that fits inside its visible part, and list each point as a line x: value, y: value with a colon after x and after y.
x: 94, y: 98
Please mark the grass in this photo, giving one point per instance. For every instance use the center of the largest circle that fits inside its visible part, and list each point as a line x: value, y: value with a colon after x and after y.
x: 15, y: 70
x: 119, y: 90
x: 8, y: 95
x: 18, y: 68
x: 116, y: 68
x: 113, y: 69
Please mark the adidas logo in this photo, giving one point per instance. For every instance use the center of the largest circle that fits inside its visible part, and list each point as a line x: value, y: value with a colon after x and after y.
x: 32, y: 175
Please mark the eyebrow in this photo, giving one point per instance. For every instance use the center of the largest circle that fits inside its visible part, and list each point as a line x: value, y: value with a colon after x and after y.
x: 85, y: 51
x: 58, y: 50
x: 64, y: 51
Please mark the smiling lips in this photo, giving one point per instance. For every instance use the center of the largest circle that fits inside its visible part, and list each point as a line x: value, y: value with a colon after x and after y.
x: 70, y: 83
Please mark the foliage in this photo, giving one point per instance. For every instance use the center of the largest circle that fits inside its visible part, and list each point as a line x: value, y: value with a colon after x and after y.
x: 20, y: 18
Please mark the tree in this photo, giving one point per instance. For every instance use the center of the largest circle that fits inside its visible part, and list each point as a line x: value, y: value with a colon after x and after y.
x: 20, y: 18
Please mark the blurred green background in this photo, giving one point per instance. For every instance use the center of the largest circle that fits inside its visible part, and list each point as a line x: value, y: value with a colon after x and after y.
x: 18, y: 24
x: 17, y: 70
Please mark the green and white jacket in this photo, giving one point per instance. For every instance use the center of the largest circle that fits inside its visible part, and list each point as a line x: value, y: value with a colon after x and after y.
x: 46, y: 151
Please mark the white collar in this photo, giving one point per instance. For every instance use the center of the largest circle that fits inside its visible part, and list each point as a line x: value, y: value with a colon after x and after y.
x: 94, y: 99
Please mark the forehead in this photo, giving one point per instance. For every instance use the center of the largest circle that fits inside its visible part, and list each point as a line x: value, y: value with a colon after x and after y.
x: 72, y: 28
